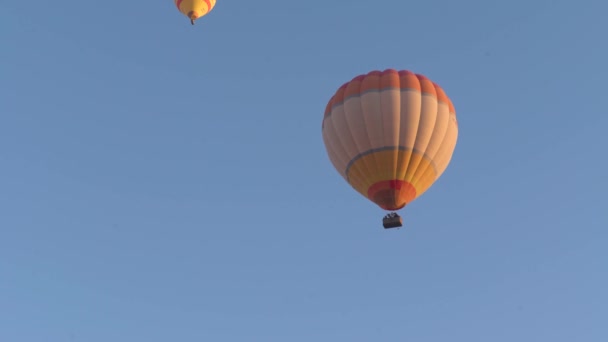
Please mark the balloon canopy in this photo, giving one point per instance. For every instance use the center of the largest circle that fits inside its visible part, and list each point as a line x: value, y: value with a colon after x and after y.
x: 194, y: 9
x: 390, y: 134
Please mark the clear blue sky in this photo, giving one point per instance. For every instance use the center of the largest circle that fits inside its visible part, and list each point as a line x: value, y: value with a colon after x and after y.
x: 163, y: 182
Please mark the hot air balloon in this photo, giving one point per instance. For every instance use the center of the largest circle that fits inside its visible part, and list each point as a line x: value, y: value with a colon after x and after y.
x: 390, y: 134
x: 194, y: 9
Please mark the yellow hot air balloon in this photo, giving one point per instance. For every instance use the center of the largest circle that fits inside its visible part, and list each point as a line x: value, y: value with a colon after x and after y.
x: 390, y: 134
x: 194, y: 9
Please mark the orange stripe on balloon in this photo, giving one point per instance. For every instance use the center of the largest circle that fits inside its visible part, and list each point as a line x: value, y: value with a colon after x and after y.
x: 427, y: 86
x: 408, y: 80
x: 382, y: 80
x: 339, y: 97
x: 391, y: 194
x: 353, y: 88
x: 208, y: 2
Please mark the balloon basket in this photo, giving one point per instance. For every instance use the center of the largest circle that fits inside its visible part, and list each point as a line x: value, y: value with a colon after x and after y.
x: 392, y: 220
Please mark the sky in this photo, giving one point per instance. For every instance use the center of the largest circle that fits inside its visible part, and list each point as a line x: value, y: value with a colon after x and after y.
x: 167, y: 182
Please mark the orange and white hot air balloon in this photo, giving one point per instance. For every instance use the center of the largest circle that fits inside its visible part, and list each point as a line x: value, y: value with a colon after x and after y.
x: 194, y: 9
x: 390, y: 134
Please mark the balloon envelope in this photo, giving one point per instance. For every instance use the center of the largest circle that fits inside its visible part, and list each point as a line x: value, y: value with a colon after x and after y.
x: 194, y: 9
x: 390, y: 134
